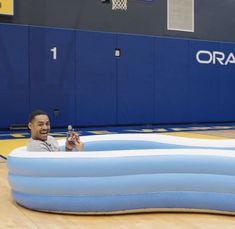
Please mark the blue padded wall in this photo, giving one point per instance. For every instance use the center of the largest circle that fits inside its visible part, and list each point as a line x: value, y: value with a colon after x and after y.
x: 96, y: 78
x: 14, y: 77
x: 226, y: 94
x: 155, y: 79
x: 204, y: 84
x: 172, y: 81
x: 52, y: 81
x: 135, y: 83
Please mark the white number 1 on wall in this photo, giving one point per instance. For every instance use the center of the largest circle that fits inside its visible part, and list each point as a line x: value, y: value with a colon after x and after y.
x: 54, y: 53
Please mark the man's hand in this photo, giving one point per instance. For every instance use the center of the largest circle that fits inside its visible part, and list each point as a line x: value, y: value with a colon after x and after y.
x: 73, y: 142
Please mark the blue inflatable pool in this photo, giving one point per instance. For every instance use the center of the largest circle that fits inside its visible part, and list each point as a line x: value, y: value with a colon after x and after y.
x: 127, y: 173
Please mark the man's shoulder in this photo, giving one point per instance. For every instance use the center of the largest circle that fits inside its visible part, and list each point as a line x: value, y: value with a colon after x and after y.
x: 36, y: 145
x: 50, y: 144
x: 34, y: 142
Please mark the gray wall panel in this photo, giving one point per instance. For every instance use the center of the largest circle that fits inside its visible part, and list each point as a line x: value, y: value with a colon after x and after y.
x: 213, y: 18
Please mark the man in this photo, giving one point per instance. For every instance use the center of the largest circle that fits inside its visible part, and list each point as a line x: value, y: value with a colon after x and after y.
x: 39, y: 126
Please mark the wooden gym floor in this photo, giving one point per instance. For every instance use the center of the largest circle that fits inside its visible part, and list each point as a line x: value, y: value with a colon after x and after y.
x: 15, y: 216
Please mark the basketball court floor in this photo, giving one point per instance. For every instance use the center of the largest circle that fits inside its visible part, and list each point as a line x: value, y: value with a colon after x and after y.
x: 14, y: 216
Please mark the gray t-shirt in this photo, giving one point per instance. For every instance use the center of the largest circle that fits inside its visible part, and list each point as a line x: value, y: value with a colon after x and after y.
x: 39, y: 146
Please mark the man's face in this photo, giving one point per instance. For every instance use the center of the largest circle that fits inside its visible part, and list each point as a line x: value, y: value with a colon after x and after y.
x: 40, y: 127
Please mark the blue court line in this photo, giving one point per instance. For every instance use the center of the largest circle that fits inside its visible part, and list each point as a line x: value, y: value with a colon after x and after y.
x: 3, y: 157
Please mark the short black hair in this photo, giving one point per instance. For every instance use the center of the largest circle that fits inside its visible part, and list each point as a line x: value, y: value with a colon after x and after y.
x: 35, y: 113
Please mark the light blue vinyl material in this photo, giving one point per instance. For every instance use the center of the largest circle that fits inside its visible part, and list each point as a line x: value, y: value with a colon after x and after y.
x: 120, y: 166
x: 104, y: 185
x: 134, y: 144
x: 123, y: 185
x: 221, y: 202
